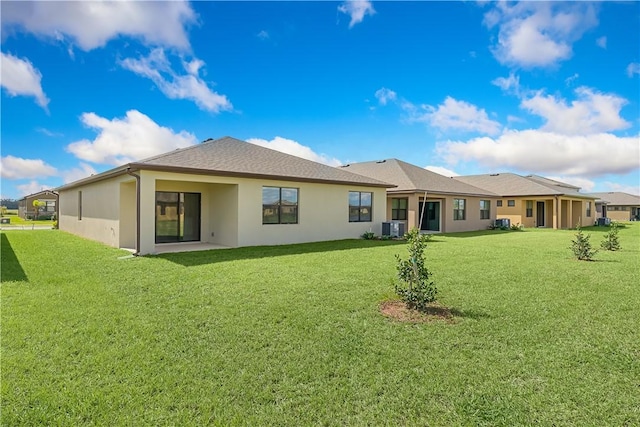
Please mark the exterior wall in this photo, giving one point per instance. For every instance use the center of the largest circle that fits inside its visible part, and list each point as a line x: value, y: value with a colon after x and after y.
x: 472, y: 221
x: 25, y: 206
x: 100, y: 210
x: 517, y: 214
x: 619, y: 213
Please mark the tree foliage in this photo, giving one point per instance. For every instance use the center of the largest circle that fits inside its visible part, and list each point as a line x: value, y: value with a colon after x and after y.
x: 581, y: 246
x: 415, y: 287
x: 611, y: 241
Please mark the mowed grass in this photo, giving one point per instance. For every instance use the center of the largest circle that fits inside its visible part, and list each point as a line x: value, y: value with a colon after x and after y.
x: 292, y: 335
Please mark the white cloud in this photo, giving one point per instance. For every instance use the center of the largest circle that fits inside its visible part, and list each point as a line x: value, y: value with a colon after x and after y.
x: 586, y: 185
x: 82, y: 171
x: 18, y: 168
x: 569, y: 80
x: 592, y: 112
x: 602, y: 42
x: 20, y: 77
x: 548, y: 152
x: 92, y: 24
x: 442, y: 171
x: 157, y: 68
x: 357, y: 10
x: 263, y: 35
x: 509, y: 84
x: 125, y: 140
x: 454, y: 115
x: 538, y: 34
x: 385, y: 95
x: 630, y: 189
x: 31, y: 188
x: 294, y: 148
x: 633, y: 68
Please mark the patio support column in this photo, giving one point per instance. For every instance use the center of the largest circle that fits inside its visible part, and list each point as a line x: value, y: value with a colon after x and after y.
x: 147, y: 213
x: 557, y: 211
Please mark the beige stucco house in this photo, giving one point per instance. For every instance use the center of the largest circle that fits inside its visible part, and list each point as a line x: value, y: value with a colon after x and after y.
x: 536, y: 201
x: 49, y: 199
x: 617, y: 206
x: 430, y: 201
x: 223, y: 192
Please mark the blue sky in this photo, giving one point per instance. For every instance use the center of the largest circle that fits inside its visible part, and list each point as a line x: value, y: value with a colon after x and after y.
x: 458, y: 87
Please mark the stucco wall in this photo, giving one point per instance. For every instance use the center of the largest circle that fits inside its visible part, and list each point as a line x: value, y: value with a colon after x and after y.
x: 100, y: 210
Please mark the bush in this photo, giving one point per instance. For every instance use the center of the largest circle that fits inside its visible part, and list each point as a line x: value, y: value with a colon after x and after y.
x: 415, y: 289
x: 517, y: 227
x: 581, y: 246
x: 611, y: 241
x: 368, y: 235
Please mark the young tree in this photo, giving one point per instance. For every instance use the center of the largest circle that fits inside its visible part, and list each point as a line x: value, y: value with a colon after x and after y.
x: 611, y: 241
x: 581, y: 246
x: 415, y: 289
x: 37, y: 204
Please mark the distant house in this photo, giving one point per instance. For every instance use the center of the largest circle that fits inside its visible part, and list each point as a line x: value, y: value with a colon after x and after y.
x: 26, y: 209
x: 223, y: 192
x: 618, y: 206
x: 430, y: 201
x: 536, y: 201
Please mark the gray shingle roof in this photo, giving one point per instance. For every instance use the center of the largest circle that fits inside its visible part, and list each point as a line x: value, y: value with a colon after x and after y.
x: 617, y: 198
x: 413, y: 178
x: 232, y: 157
x: 511, y: 184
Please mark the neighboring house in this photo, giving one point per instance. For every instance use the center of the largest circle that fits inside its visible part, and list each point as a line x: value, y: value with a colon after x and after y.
x: 450, y: 206
x: 222, y: 192
x: 618, y: 206
x: 536, y: 201
x: 26, y: 209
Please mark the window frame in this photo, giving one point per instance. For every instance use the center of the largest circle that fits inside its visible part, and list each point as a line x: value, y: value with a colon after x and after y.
x: 279, y: 205
x: 588, y: 209
x: 511, y: 203
x: 529, y: 213
x: 459, y: 213
x: 399, y: 213
x: 485, y: 213
x: 80, y: 205
x: 360, y: 207
x: 498, y: 203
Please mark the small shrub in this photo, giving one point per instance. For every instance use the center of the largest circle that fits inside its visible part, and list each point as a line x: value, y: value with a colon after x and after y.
x: 581, y: 246
x: 369, y: 235
x: 611, y: 241
x: 415, y: 289
x: 517, y: 227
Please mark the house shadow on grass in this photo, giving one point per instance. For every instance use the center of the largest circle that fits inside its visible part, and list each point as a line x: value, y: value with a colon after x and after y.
x: 11, y: 268
x: 189, y: 259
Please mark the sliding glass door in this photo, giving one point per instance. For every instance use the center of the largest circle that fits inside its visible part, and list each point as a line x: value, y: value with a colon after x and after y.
x: 177, y: 217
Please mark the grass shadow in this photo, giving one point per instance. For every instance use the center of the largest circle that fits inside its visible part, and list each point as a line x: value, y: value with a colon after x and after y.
x: 478, y: 233
x: 11, y: 268
x: 189, y: 259
x: 469, y: 314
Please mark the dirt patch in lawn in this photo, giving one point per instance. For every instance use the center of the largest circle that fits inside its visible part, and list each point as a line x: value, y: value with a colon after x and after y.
x: 397, y: 310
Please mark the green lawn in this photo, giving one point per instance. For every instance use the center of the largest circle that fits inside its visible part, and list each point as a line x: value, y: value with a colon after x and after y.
x: 292, y: 335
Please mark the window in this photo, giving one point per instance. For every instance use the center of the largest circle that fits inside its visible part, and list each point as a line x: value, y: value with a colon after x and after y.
x: 588, y: 208
x: 360, y: 206
x: 79, y: 205
x: 50, y: 206
x: 279, y: 205
x: 399, y: 209
x: 177, y: 217
x: 511, y: 203
x: 458, y: 209
x: 529, y: 208
x: 485, y: 209
x: 499, y: 203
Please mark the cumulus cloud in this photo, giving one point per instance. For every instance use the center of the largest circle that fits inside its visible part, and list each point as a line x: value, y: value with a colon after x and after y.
x: 158, y: 69
x: 18, y: 168
x: 263, y: 35
x: 548, y: 152
x: 538, y: 34
x: 454, y: 115
x: 633, y: 68
x: 82, y: 171
x: 592, y: 112
x: 602, y: 42
x: 509, y: 84
x: 630, y: 189
x: 20, y: 77
x: 31, y: 187
x: 294, y: 148
x: 90, y: 25
x: 385, y: 95
x: 441, y: 170
x: 128, y: 139
x: 357, y: 10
